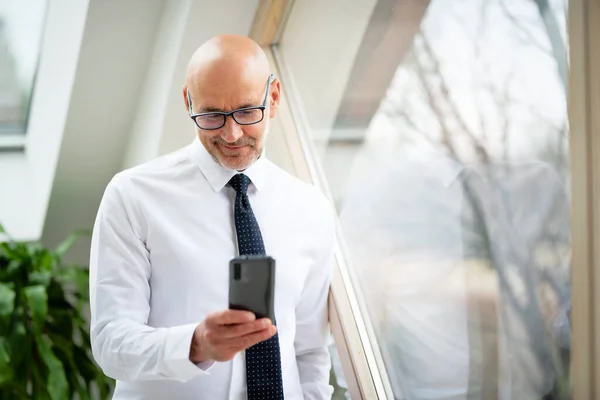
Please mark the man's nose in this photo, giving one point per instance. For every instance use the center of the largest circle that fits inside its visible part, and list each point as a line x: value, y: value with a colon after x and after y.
x: 231, y: 131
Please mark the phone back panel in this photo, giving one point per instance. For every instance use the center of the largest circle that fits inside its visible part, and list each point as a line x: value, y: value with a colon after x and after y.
x: 252, y: 285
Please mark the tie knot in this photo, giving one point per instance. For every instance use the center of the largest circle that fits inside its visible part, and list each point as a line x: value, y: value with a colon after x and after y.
x: 240, y: 183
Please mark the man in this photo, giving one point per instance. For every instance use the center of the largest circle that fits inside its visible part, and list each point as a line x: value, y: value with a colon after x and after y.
x: 166, y: 231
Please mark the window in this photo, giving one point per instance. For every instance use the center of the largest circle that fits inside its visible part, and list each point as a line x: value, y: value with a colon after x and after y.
x: 21, y: 24
x: 441, y: 128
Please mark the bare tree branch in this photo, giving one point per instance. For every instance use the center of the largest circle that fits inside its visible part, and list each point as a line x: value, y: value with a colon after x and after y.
x: 503, y: 101
x: 559, y: 49
x: 400, y: 112
x: 446, y: 139
x: 483, y: 73
x: 480, y: 150
x: 527, y: 37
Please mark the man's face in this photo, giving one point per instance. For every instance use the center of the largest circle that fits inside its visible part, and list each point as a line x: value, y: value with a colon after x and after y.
x: 234, y: 145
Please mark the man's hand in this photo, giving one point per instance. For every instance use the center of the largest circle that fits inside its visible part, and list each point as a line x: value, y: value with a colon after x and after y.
x: 222, y: 335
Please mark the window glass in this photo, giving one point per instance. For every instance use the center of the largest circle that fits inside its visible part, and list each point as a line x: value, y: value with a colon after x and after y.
x: 21, y: 24
x: 441, y: 127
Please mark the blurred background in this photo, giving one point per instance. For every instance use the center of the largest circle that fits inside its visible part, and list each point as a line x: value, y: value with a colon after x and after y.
x: 440, y: 130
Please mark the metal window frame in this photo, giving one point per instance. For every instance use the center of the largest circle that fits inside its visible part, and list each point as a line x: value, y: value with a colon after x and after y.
x: 584, y: 120
x: 14, y: 140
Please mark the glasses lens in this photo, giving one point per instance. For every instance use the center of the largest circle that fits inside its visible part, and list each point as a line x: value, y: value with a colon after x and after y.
x: 210, y: 121
x: 246, y: 117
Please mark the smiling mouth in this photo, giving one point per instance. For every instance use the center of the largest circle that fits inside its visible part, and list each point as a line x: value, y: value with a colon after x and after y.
x: 232, y: 151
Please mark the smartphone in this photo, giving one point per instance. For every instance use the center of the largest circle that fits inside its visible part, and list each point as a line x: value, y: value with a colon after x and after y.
x: 252, y: 285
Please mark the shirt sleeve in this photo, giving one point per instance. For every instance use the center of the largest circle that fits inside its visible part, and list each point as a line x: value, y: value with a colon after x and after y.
x: 123, y: 344
x: 312, y: 327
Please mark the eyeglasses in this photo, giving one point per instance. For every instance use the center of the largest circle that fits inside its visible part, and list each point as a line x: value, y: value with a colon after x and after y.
x: 244, y: 116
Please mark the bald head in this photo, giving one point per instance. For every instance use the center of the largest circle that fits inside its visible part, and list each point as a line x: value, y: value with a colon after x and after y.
x: 227, y: 73
x: 227, y: 57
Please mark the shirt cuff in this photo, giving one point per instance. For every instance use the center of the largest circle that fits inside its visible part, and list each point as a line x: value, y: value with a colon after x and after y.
x: 206, y: 365
x: 177, y: 354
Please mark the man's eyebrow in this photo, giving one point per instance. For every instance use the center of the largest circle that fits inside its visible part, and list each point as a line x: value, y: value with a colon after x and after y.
x: 215, y: 109
x: 210, y: 109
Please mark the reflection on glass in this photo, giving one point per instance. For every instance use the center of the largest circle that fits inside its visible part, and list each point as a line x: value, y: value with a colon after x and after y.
x: 21, y: 24
x: 447, y: 155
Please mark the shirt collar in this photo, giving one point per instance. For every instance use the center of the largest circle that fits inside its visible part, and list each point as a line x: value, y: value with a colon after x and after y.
x: 218, y: 176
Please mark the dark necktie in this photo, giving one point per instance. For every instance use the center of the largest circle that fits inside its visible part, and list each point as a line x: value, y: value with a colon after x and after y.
x: 263, y: 361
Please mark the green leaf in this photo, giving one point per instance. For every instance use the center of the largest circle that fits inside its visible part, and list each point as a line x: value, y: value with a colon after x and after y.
x: 13, y: 269
x: 40, y: 278
x: 82, y: 282
x: 18, y: 341
x: 5, y: 370
x: 39, y: 391
x: 56, y: 384
x: 4, y: 237
x: 44, y: 261
x: 10, y: 251
x: 66, y: 245
x: 63, y: 349
x: 7, y: 299
x: 37, y: 301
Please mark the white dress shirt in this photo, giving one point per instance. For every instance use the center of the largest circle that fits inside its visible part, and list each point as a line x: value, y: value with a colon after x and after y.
x: 161, y: 247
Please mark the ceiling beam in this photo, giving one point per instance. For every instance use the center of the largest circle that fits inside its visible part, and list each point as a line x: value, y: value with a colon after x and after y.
x: 386, y: 42
x: 269, y: 20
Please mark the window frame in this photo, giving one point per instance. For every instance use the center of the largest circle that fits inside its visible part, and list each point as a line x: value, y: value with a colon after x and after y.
x: 16, y: 139
x: 584, y: 97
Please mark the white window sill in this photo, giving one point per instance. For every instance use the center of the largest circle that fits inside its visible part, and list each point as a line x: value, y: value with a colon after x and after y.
x: 12, y: 142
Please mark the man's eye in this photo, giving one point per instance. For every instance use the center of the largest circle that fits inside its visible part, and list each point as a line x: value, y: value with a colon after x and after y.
x: 211, y: 117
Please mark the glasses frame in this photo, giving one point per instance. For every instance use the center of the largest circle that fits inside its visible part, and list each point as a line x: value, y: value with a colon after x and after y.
x: 231, y: 113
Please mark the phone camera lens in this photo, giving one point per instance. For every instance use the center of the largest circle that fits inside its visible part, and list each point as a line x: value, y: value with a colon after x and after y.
x: 237, y: 272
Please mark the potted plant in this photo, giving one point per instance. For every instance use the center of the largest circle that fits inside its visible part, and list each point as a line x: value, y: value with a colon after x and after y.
x: 45, y: 350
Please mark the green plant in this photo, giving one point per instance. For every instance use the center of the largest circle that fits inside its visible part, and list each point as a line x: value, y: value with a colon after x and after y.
x: 45, y: 350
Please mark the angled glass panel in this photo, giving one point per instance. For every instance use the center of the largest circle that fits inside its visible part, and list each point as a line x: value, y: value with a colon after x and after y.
x: 21, y: 27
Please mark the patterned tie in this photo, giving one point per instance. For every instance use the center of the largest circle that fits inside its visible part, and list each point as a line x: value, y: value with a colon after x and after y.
x: 263, y: 361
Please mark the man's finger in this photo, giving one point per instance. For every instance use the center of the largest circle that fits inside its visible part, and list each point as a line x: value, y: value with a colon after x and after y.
x: 257, y: 337
x: 234, y: 331
x: 229, y: 317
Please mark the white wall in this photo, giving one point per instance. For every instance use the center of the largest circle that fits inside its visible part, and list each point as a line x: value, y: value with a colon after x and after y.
x: 115, y: 54
x: 149, y: 117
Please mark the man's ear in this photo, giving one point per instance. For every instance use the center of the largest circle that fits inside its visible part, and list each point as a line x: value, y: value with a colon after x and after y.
x: 185, y: 98
x: 275, y: 97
